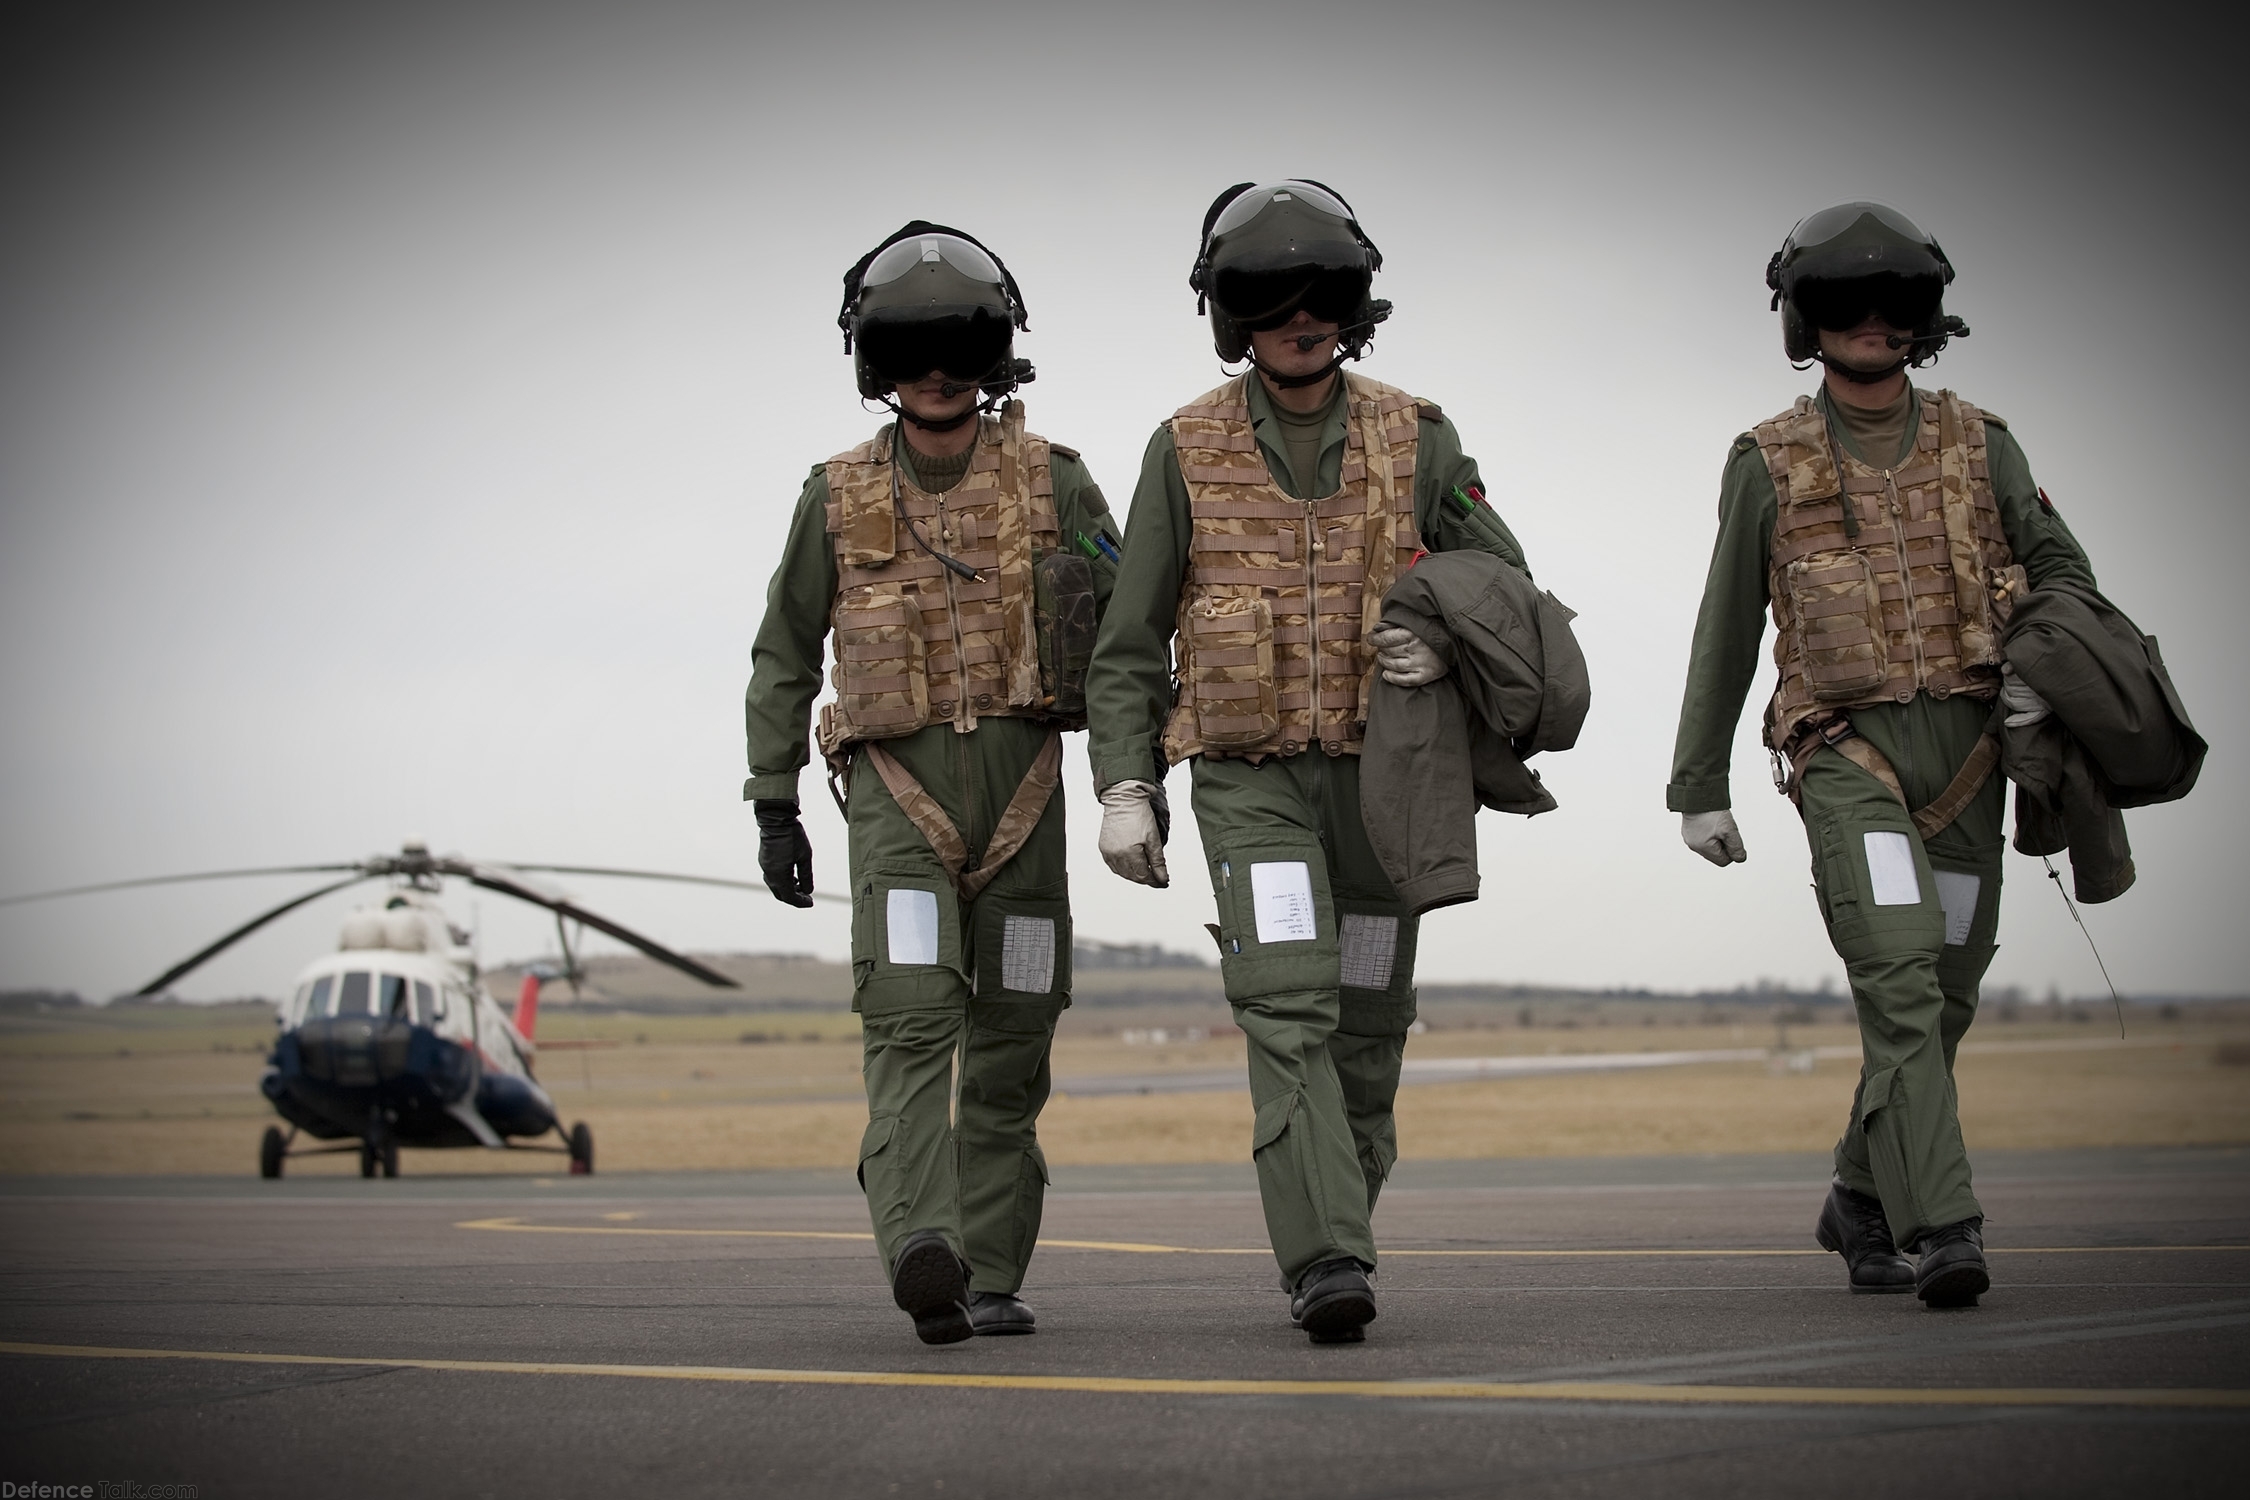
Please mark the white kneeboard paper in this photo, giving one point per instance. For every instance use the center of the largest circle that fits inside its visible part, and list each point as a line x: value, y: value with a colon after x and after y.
x: 1281, y: 892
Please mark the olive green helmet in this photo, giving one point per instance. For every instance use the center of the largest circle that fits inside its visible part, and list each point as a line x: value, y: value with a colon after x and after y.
x: 1842, y: 263
x: 930, y: 298
x: 1270, y: 249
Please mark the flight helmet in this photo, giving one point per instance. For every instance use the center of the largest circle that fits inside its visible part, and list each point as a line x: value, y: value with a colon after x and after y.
x: 932, y: 298
x: 1269, y: 249
x: 1841, y: 264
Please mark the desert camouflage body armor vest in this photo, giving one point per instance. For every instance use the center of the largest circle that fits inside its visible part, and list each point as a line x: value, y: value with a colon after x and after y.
x: 1280, y: 593
x: 916, y: 643
x: 1884, y: 582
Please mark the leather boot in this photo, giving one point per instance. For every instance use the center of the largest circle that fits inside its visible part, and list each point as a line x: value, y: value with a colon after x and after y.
x: 1852, y: 1225
x: 1334, y: 1302
x: 930, y: 1285
x: 1001, y: 1312
x: 1952, y: 1272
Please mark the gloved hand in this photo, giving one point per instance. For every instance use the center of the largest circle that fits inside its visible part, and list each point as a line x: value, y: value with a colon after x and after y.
x: 2023, y: 706
x: 1714, y: 836
x: 1404, y: 658
x: 1136, y: 821
x: 784, y: 853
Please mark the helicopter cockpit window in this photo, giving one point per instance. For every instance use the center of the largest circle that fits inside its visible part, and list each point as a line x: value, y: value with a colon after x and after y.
x: 425, y: 1004
x: 357, y: 996
x: 317, y: 998
x: 393, y: 1002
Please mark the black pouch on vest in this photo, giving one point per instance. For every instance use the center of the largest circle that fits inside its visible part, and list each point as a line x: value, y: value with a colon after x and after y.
x: 1063, y: 598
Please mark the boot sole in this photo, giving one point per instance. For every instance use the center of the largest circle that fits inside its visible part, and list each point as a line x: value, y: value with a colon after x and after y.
x: 1956, y: 1286
x: 1339, y: 1317
x: 928, y: 1287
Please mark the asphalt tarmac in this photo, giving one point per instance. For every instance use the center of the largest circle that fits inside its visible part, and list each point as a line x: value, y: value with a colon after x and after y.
x: 1657, y: 1326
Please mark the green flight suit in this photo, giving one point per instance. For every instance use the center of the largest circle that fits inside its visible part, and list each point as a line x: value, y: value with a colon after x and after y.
x: 1914, y: 951
x: 966, y: 1163
x: 1326, y: 1018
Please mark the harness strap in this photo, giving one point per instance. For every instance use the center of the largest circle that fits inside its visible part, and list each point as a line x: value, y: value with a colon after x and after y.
x: 1934, y: 816
x: 1021, y: 815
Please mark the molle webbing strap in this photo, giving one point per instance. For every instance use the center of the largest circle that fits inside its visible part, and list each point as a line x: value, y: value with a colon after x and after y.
x: 1009, y: 835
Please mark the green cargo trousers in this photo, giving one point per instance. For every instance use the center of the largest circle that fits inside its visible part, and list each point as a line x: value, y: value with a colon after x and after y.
x: 1318, y: 958
x: 948, y: 989
x: 1913, y: 921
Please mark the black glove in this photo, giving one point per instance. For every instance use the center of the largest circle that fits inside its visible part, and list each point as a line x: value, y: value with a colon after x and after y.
x: 784, y: 853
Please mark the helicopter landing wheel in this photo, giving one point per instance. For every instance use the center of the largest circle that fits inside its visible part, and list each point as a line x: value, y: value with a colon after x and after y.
x: 387, y: 1155
x: 367, y: 1161
x: 581, y: 1150
x: 271, y: 1147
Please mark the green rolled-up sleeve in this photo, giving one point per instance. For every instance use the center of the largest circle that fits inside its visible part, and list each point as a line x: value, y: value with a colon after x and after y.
x: 1729, y: 628
x: 785, y: 658
x: 1442, y: 474
x: 1129, y: 687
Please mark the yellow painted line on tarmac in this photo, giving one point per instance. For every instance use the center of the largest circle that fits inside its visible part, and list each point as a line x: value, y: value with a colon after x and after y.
x: 1133, y: 1247
x: 1121, y: 1385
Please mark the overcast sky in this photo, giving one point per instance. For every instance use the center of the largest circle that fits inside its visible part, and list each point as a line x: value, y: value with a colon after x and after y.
x: 399, y: 412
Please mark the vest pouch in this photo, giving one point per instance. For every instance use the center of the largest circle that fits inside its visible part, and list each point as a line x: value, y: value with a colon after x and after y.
x: 1063, y: 600
x: 882, y: 682
x: 1230, y: 672
x: 1836, y: 610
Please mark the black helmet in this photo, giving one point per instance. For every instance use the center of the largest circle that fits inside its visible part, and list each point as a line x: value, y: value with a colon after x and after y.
x: 932, y: 298
x: 1272, y: 248
x: 1842, y: 263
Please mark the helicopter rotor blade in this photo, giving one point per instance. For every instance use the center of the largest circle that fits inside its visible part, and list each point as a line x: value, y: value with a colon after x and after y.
x: 570, y: 960
x: 126, y: 885
x: 494, y: 880
x: 732, y: 885
x: 163, y: 981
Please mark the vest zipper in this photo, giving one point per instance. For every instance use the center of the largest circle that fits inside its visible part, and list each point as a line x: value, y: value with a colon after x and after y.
x: 1905, y: 579
x: 963, y: 718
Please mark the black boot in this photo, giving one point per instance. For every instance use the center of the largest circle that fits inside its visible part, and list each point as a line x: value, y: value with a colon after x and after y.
x: 1334, y: 1302
x: 930, y: 1284
x: 1001, y: 1312
x: 1952, y: 1273
x: 1852, y: 1225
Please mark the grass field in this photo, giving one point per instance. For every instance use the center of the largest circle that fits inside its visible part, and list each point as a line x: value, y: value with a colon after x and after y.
x: 174, y: 1090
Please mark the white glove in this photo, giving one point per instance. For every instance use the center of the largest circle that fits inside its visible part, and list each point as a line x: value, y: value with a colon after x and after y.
x: 1714, y: 836
x: 1135, y: 822
x: 1406, y: 660
x: 2023, y: 706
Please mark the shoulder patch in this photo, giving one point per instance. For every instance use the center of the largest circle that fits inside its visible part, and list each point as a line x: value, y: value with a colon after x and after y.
x: 1064, y: 449
x: 1429, y: 411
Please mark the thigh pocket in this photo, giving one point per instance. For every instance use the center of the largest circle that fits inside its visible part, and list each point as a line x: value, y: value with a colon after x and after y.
x: 1023, y: 943
x: 906, y: 941
x: 1277, y: 919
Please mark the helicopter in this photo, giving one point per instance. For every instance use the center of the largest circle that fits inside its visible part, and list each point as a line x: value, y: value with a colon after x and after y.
x: 393, y: 1040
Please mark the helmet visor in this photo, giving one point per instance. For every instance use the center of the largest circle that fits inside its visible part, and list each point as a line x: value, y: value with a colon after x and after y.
x: 1904, y: 302
x: 1259, y: 300
x: 924, y: 249
x: 1250, y: 204
x: 963, y: 345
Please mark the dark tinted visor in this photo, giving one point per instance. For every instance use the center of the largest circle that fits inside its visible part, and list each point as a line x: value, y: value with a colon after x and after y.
x: 1252, y: 203
x: 1267, y: 299
x: 952, y: 249
x: 1904, y: 302
x: 1820, y: 228
x: 965, y: 346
